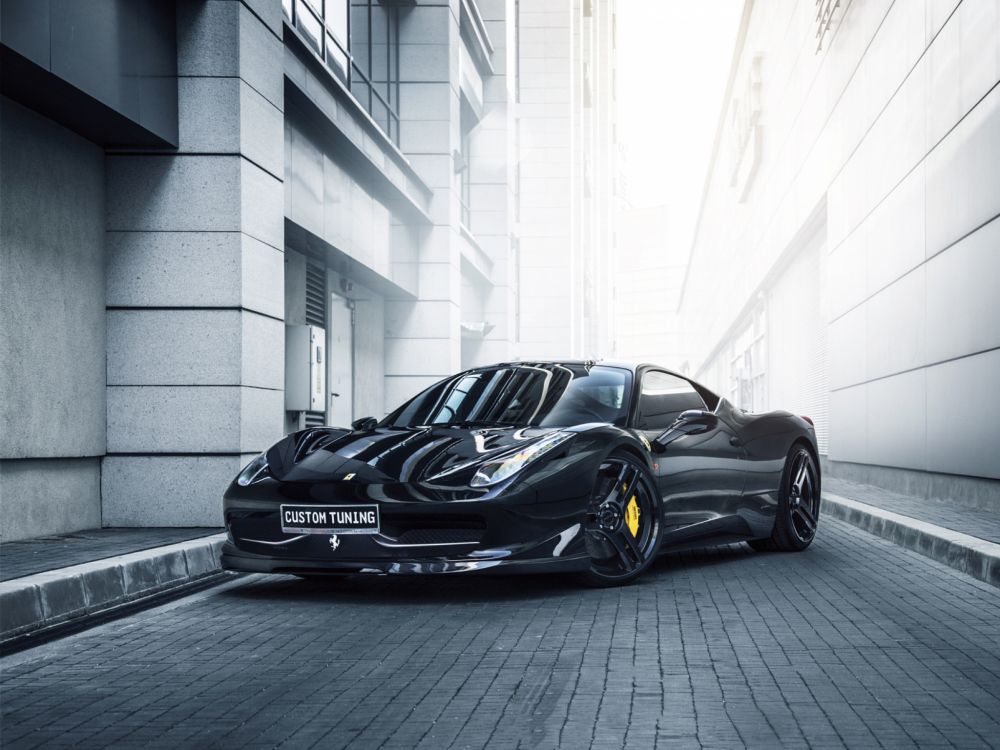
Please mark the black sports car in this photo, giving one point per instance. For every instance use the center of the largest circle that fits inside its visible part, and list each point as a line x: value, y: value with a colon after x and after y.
x: 587, y: 467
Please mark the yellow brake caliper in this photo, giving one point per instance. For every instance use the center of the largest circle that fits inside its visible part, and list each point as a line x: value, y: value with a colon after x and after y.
x: 632, y: 516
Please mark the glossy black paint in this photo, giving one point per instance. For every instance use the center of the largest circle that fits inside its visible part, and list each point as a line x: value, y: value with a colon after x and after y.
x: 718, y: 474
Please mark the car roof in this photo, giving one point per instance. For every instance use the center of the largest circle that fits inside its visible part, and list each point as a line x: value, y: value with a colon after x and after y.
x: 624, y: 364
x: 631, y: 365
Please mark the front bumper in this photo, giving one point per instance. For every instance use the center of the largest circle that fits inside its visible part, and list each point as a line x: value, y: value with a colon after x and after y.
x: 419, y: 535
x: 236, y: 559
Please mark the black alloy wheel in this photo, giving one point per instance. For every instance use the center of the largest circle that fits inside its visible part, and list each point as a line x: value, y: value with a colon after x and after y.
x: 623, y: 522
x: 798, y: 504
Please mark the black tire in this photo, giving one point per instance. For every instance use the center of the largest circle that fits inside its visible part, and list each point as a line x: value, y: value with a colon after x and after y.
x: 798, y: 504
x: 624, y: 525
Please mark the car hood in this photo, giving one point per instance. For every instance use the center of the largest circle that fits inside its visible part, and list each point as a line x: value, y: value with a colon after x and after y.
x: 393, y: 454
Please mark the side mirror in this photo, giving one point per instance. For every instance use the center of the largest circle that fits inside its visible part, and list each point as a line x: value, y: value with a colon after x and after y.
x: 365, y: 424
x: 690, y: 422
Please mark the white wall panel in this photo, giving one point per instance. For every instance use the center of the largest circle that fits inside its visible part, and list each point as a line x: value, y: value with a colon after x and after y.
x: 963, y: 416
x: 849, y: 424
x: 848, y: 349
x: 426, y: 319
x: 895, y: 233
x: 979, y: 43
x: 963, y: 179
x: 895, y: 336
x: 845, y: 281
x: 963, y: 296
x: 896, y: 421
x: 942, y: 69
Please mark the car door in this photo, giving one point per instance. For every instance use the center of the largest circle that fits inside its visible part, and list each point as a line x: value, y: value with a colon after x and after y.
x: 700, y: 473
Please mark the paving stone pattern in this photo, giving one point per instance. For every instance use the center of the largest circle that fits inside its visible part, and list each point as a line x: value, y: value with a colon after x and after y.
x: 30, y: 556
x: 856, y: 642
x: 982, y: 524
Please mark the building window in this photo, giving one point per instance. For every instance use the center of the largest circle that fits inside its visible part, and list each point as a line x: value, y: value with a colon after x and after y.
x: 747, y: 367
x: 375, y: 61
x: 359, y: 42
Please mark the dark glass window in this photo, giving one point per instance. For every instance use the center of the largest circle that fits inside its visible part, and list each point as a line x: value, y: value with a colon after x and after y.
x: 359, y: 41
x: 546, y: 395
x: 662, y: 399
x: 375, y: 61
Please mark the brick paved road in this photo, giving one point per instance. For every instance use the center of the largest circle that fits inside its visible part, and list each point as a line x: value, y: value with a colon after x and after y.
x: 855, y: 642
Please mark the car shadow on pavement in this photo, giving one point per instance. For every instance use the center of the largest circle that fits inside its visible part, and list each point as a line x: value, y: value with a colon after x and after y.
x: 702, y: 557
x: 444, y: 589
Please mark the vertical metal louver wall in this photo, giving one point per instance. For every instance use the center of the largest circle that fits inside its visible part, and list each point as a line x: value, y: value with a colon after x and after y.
x: 818, y: 390
x: 818, y: 379
x: 315, y: 316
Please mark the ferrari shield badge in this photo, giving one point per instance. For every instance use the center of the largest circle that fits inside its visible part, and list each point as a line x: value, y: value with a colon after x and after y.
x: 632, y: 516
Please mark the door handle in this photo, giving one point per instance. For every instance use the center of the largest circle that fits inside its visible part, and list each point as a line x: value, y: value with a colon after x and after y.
x: 335, y: 395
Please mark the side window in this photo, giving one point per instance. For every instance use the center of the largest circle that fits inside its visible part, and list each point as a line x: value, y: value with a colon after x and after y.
x: 662, y: 398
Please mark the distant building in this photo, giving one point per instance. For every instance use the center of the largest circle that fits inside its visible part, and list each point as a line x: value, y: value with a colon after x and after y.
x: 845, y: 265
x: 566, y: 174
x: 648, y: 276
x: 181, y: 181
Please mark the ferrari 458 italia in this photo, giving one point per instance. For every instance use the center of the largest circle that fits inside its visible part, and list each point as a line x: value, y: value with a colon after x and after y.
x: 591, y: 468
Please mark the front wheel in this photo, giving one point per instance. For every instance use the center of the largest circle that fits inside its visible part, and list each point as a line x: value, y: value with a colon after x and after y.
x: 798, y: 504
x: 624, y: 522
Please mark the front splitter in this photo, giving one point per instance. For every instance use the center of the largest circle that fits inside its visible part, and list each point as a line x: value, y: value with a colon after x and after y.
x: 235, y: 559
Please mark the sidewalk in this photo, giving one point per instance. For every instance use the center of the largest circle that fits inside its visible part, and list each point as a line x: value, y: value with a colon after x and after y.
x: 61, y: 581
x: 29, y: 556
x: 963, y: 538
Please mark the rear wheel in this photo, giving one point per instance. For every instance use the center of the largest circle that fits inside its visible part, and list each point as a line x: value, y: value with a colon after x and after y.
x: 623, y: 526
x: 798, y: 504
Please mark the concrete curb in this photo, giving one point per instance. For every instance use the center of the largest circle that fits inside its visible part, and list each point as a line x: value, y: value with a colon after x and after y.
x: 968, y: 554
x: 60, y: 597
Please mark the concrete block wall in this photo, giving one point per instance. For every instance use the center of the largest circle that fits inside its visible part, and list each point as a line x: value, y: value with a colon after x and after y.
x: 493, y: 195
x: 52, y: 331
x: 195, y: 291
x: 422, y: 343
x: 548, y: 327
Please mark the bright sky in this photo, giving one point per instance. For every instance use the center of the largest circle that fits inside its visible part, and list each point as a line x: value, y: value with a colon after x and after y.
x: 673, y: 62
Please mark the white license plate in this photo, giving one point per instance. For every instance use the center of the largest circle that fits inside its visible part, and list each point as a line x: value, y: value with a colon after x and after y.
x: 329, y: 519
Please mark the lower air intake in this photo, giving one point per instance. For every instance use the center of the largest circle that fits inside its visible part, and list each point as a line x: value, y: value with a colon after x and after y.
x: 440, y: 536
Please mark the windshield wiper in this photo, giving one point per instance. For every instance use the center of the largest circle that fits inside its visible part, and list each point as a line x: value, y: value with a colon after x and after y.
x: 476, y: 423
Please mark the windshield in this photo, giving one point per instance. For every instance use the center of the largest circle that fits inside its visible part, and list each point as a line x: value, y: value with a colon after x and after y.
x: 544, y: 395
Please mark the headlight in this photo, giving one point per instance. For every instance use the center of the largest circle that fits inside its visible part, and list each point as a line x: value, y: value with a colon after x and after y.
x: 252, y: 471
x: 492, y: 472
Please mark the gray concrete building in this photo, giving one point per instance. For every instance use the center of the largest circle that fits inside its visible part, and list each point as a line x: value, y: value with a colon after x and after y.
x: 846, y: 259
x: 184, y: 183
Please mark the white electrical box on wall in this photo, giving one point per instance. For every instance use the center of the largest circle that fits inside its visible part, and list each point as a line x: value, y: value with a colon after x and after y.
x: 305, y: 368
